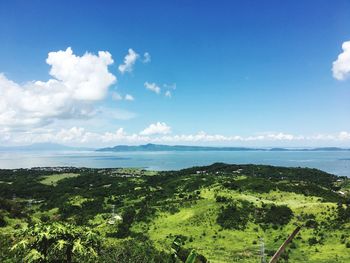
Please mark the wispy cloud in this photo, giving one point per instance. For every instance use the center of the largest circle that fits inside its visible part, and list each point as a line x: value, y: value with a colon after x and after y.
x: 169, y: 89
x: 116, y: 96
x: 129, y: 61
x: 129, y: 97
x: 152, y: 87
x: 146, y: 57
x: 168, y: 94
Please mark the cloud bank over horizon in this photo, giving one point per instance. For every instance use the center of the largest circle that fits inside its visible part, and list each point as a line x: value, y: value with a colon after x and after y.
x: 160, y: 132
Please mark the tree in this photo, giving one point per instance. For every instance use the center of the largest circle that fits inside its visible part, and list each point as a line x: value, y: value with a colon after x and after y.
x: 57, y: 242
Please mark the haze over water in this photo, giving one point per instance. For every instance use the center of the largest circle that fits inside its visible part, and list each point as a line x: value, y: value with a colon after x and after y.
x: 335, y: 162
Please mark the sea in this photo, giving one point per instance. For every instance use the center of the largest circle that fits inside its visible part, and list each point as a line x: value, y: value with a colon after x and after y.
x: 334, y: 162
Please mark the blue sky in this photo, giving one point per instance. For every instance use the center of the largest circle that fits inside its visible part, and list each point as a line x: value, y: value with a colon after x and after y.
x: 255, y: 73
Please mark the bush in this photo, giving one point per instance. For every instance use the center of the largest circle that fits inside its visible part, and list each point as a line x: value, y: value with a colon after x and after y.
x: 132, y: 251
x: 312, y: 241
x: 3, y: 222
x: 272, y: 214
x: 235, y: 215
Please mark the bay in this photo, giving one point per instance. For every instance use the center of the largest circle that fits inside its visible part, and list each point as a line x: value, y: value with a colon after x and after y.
x: 335, y: 162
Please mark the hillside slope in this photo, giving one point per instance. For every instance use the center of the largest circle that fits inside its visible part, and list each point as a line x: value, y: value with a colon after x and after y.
x: 224, y: 212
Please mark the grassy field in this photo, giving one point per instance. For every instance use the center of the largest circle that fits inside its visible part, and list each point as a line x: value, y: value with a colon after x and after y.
x: 55, y: 178
x: 197, y: 222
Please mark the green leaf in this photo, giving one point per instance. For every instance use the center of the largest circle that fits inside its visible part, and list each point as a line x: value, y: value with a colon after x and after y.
x: 33, y: 256
x: 21, y: 245
x: 78, y: 247
x: 61, y: 244
x: 191, y: 257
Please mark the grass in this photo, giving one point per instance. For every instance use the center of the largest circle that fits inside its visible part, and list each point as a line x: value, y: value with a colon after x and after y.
x: 53, y: 179
x: 197, y: 221
x: 186, y: 205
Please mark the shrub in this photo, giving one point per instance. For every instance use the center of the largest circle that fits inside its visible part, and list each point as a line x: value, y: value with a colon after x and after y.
x: 312, y: 241
x: 272, y: 214
x: 3, y: 222
x: 235, y: 215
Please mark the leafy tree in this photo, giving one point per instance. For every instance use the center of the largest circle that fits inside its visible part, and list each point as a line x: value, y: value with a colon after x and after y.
x: 57, y: 242
x: 273, y: 214
x: 235, y: 215
x: 132, y: 251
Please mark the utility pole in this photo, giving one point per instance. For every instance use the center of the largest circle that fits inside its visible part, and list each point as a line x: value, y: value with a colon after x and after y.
x: 284, y: 245
x: 113, y: 206
x: 262, y: 250
x: 112, y: 219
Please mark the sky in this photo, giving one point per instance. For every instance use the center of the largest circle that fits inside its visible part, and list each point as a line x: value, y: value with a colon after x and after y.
x: 223, y: 73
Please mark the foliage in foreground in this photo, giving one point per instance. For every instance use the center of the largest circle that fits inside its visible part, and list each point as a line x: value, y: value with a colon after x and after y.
x: 57, y: 242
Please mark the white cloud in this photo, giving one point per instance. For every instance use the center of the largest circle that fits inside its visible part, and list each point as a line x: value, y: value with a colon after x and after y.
x: 78, y: 82
x: 129, y: 61
x: 146, y: 58
x: 156, y: 128
x: 129, y: 97
x: 152, y: 87
x: 341, y: 67
x: 170, y: 88
x: 344, y: 135
x: 116, y: 96
x: 168, y: 94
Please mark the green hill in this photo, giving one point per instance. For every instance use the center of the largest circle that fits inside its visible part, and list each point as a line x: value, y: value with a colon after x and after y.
x: 222, y: 211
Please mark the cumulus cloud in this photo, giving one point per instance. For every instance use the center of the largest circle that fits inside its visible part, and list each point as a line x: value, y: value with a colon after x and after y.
x: 129, y: 61
x: 78, y: 82
x: 156, y: 128
x: 129, y: 97
x: 152, y: 87
x: 341, y: 67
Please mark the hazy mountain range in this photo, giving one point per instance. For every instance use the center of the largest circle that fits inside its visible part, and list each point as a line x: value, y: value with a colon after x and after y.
x: 160, y: 147
x: 153, y: 147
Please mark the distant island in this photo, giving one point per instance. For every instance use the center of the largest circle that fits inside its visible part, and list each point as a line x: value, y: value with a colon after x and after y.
x: 161, y: 147
x: 150, y: 147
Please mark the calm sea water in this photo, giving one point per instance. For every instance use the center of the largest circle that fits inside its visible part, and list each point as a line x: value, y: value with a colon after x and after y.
x: 333, y: 162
